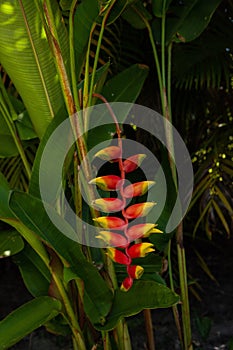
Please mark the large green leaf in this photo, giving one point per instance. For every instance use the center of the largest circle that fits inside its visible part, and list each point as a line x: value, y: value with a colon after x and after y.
x: 135, y: 14
x: 186, y: 20
x: 27, y: 58
x: 10, y: 243
x: 36, y: 275
x: 7, y: 146
x: 31, y: 212
x: 5, y: 211
x: 8, y: 216
x: 86, y: 14
x: 26, y: 318
x: 126, y: 86
x: 159, y: 7
x: 143, y: 295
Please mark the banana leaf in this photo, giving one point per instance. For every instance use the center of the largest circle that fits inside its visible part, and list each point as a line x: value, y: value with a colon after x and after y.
x: 27, y: 58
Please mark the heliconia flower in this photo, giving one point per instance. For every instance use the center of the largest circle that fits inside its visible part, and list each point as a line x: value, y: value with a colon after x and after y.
x: 113, y: 239
x: 141, y: 230
x: 135, y: 271
x: 117, y: 256
x: 138, y: 210
x: 108, y: 204
x: 126, y: 284
x: 110, y: 222
x: 109, y: 153
x: 133, y: 162
x: 140, y: 250
x: 107, y: 183
x: 137, y: 189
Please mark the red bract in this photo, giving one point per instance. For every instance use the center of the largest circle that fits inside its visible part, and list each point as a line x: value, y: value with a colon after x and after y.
x: 137, y: 189
x: 127, y: 284
x: 113, y: 239
x: 132, y: 163
x: 117, y: 256
x: 141, y: 230
x: 138, y: 210
x: 135, y: 271
x: 140, y: 250
x: 110, y: 153
x: 109, y: 204
x: 111, y: 222
x: 107, y: 183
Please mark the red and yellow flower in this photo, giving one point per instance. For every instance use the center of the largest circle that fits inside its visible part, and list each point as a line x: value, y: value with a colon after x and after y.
x: 121, y: 247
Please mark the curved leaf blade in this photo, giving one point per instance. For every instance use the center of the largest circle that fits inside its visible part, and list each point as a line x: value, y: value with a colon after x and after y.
x: 35, y: 274
x: 143, y: 295
x: 26, y: 318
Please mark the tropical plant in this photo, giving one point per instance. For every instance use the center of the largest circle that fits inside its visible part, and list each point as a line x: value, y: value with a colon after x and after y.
x: 71, y: 295
x: 55, y: 55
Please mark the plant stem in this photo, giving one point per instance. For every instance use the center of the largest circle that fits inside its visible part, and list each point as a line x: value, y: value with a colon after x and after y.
x: 100, y: 37
x: 184, y: 289
x: 77, y: 333
x: 72, y: 55
x: 89, y: 90
x: 68, y: 97
x: 86, y: 78
x: 106, y: 340
x: 149, y: 329
x: 174, y: 307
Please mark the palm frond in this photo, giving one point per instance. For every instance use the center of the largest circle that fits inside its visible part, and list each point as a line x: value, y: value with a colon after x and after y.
x: 13, y: 168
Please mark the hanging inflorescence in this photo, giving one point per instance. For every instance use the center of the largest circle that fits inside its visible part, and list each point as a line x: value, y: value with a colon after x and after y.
x: 121, y: 245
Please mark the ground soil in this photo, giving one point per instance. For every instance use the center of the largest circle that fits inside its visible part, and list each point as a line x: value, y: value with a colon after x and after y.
x: 214, y: 310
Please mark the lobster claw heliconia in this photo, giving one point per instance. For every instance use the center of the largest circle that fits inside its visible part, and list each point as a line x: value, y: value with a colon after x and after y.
x: 120, y: 247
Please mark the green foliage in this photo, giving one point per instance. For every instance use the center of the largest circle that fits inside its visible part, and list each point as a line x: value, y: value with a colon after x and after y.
x: 31, y: 316
x: 85, y: 17
x: 97, y: 295
x: 10, y: 243
x: 36, y: 275
x: 203, y: 325
x: 184, y: 21
x: 28, y: 60
x: 143, y: 295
